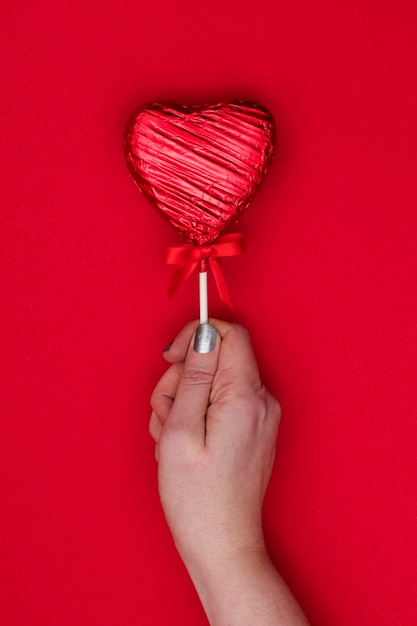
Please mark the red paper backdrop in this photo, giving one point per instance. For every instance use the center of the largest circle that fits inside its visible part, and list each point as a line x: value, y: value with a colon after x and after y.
x: 327, y: 289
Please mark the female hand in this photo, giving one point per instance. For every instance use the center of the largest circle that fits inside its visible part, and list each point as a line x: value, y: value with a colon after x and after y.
x: 215, y: 427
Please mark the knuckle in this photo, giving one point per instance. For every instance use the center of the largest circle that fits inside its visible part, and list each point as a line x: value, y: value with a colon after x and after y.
x: 258, y: 403
x: 153, y: 431
x: 156, y: 403
x: 157, y: 398
x: 154, y: 400
x: 251, y: 403
x: 242, y: 331
x: 274, y: 407
x: 261, y: 407
x: 196, y: 377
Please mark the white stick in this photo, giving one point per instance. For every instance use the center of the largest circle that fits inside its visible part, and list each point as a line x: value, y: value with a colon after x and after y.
x: 203, y: 298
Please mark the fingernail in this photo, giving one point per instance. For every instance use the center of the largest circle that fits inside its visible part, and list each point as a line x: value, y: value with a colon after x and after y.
x: 205, y: 339
x: 167, y: 347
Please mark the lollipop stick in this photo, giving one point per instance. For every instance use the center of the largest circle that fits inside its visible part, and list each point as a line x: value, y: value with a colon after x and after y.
x: 203, y: 298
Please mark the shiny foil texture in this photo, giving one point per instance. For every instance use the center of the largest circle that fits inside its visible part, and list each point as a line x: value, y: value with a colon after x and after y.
x: 200, y: 166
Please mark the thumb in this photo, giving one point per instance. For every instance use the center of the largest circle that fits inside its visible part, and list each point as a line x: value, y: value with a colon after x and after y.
x: 188, y: 412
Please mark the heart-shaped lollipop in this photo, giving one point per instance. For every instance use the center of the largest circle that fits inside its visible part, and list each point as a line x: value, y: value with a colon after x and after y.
x: 200, y: 166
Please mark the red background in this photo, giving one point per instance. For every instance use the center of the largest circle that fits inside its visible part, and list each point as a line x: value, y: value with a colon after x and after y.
x: 327, y: 289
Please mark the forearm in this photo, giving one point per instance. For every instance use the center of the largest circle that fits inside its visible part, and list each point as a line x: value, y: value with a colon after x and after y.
x: 245, y: 589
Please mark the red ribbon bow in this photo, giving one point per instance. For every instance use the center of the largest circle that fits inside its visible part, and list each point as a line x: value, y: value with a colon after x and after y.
x: 189, y: 257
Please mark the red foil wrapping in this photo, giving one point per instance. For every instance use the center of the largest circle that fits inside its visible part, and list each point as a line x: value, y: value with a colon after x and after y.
x: 200, y: 166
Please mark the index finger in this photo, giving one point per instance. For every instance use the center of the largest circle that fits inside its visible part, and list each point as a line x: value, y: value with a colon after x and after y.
x: 237, y: 371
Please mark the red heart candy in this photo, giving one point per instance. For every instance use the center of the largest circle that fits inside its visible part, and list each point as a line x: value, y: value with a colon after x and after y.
x: 200, y: 166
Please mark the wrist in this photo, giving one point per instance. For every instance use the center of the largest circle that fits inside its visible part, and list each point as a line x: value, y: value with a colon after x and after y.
x: 241, y: 587
x: 216, y: 563
x: 214, y: 553
x: 219, y: 576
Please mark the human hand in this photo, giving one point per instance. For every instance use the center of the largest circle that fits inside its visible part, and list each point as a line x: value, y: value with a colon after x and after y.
x: 215, y: 427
